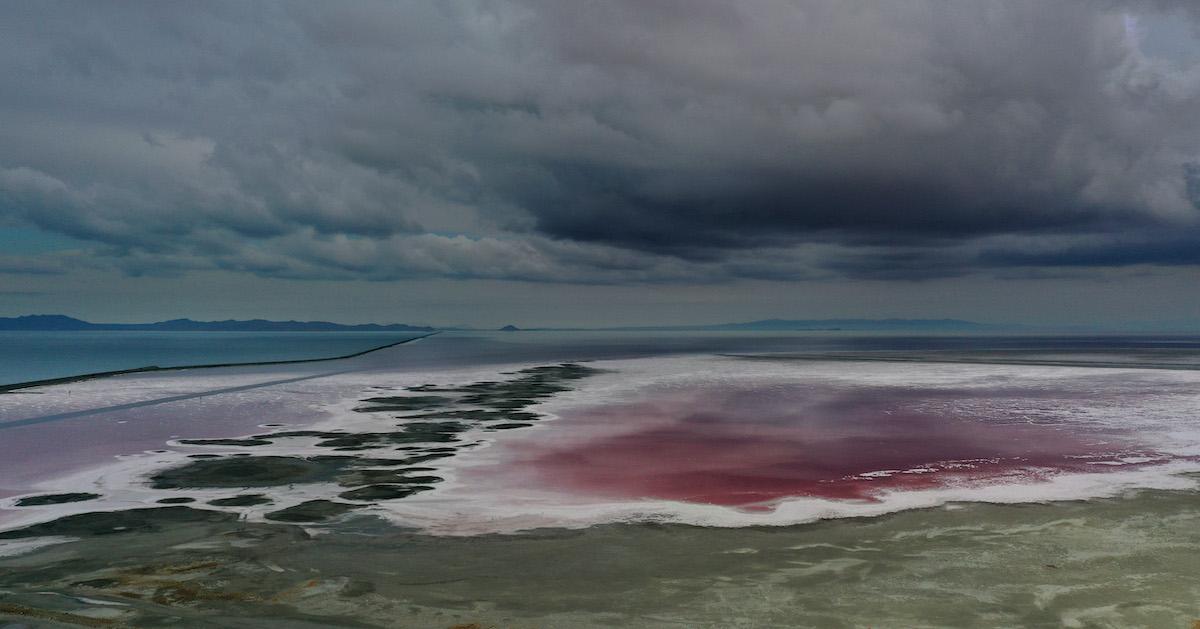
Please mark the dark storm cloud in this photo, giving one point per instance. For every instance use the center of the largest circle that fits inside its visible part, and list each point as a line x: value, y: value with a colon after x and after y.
x: 629, y: 140
x: 760, y: 210
x: 1164, y: 249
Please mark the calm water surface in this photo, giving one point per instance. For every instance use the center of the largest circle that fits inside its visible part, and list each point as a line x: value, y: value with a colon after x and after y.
x: 27, y: 356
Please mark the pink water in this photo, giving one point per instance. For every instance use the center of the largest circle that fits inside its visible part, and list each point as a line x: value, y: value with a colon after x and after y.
x: 747, y: 447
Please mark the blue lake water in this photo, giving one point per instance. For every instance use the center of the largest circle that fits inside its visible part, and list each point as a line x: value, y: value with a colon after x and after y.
x: 26, y: 356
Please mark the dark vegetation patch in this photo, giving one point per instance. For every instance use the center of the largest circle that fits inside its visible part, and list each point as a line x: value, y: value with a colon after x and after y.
x: 371, y: 477
x: 406, y: 403
x: 260, y: 471
x: 55, y: 499
x: 226, y: 442
x: 527, y: 388
x: 383, y: 462
x: 431, y: 424
x: 241, y: 500
x: 411, y: 433
x: 429, y: 457
x: 312, y: 511
x: 479, y: 415
x: 116, y: 522
x: 372, y: 493
x: 182, y: 500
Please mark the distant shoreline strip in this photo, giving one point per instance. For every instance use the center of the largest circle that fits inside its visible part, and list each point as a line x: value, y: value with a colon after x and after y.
x: 6, y: 388
x: 963, y: 361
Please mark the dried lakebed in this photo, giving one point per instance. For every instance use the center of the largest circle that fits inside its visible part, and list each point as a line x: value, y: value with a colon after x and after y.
x: 339, y: 471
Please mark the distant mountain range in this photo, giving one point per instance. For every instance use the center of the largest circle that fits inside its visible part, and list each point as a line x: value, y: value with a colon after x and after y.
x: 65, y: 323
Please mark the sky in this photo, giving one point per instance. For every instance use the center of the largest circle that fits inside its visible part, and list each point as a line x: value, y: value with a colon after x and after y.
x: 625, y: 162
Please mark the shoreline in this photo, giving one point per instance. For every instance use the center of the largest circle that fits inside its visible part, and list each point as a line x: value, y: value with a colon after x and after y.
x: 8, y: 388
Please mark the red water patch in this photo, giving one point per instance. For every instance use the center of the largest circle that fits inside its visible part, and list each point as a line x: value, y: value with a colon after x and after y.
x: 747, y: 447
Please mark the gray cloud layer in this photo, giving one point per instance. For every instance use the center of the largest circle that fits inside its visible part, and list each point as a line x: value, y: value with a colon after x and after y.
x: 628, y: 140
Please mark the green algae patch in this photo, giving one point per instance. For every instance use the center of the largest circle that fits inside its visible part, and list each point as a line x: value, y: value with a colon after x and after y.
x: 365, y: 462
x: 496, y: 400
x: 508, y: 426
x: 254, y: 471
x: 406, y: 403
x: 372, y: 493
x: 55, y: 499
x: 530, y: 386
x: 147, y: 520
x: 433, y: 428
x: 429, y: 457
x: 243, y: 500
x: 182, y: 500
x: 479, y: 415
x: 226, y: 442
x: 373, y: 477
x: 411, y: 433
x: 312, y: 511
